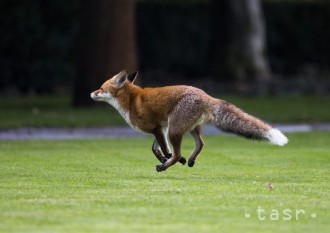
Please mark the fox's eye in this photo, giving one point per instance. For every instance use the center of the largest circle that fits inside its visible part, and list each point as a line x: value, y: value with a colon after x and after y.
x: 102, y: 89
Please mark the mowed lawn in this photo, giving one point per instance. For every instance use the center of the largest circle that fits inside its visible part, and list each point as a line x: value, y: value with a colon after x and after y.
x: 112, y: 186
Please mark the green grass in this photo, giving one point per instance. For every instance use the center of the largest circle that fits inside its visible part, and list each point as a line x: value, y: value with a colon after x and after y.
x: 286, y: 109
x: 112, y: 186
x: 54, y: 111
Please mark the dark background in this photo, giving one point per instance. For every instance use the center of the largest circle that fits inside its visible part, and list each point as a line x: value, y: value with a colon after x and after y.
x: 38, y: 46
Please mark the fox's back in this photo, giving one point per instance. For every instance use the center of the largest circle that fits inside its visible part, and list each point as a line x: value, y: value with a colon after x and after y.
x: 153, y: 106
x: 165, y: 99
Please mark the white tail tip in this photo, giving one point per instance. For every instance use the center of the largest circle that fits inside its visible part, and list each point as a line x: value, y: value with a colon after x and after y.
x: 276, y: 137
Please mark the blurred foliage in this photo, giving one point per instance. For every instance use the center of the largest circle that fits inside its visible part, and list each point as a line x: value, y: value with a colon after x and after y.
x: 298, y: 36
x: 36, y: 44
x: 173, y: 36
x: 38, y: 39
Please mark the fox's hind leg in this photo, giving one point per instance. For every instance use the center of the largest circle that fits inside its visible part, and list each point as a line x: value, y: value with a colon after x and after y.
x: 199, y: 144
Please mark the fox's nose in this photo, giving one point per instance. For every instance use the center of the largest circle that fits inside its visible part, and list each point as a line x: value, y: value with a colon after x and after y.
x: 93, y: 95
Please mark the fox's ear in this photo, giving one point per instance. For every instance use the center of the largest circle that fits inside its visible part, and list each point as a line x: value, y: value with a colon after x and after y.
x: 132, y: 77
x: 120, y: 79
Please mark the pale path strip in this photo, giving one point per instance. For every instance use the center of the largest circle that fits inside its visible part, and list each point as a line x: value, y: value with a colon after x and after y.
x: 124, y: 132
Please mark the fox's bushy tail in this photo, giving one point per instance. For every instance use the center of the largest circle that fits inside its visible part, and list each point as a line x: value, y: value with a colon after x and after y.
x: 231, y: 119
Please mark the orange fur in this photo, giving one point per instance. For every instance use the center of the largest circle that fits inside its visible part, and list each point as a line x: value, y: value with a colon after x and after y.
x: 176, y: 110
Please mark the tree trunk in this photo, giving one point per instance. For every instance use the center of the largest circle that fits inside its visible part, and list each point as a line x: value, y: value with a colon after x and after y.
x: 238, y: 44
x: 105, y: 45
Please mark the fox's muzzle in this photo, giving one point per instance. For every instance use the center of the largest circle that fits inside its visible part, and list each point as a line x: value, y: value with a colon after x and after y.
x: 94, y: 95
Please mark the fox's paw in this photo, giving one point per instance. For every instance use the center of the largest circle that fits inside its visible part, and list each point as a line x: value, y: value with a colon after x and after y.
x: 182, y: 160
x: 160, y: 168
x: 163, y: 160
x: 191, y: 163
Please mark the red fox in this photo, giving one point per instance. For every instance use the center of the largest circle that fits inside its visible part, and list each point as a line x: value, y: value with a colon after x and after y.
x: 171, y: 111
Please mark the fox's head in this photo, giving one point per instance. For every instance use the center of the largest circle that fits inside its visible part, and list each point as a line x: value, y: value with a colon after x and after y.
x: 109, y: 89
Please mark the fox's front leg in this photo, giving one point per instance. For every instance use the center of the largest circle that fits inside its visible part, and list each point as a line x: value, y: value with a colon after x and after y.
x: 161, y: 149
x: 175, y: 140
x: 157, y: 152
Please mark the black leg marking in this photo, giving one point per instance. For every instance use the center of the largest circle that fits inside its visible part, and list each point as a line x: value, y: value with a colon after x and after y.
x: 157, y: 152
x: 182, y: 160
x: 191, y: 163
x: 161, y: 168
